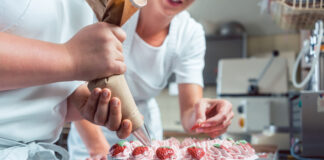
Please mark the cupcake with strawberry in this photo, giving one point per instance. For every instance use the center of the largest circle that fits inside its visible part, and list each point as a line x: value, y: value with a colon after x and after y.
x: 120, y: 151
x: 167, y: 153
x: 218, y: 151
x: 135, y: 144
x: 193, y: 153
x: 189, y: 142
x: 142, y: 153
x: 241, y: 149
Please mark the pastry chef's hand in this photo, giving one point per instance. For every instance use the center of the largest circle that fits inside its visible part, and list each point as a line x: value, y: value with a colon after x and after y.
x: 96, y: 51
x: 213, y: 116
x: 99, y: 108
x: 98, y: 157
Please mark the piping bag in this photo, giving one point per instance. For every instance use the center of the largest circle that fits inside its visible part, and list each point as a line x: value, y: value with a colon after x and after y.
x: 118, y: 12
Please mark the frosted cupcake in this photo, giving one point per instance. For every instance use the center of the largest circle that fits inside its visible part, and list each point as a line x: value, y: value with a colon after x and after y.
x: 142, y: 153
x: 167, y: 153
x: 193, y: 153
x: 243, y: 149
x: 120, y: 151
x: 135, y: 144
x: 189, y: 142
x: 218, y: 151
x: 168, y: 142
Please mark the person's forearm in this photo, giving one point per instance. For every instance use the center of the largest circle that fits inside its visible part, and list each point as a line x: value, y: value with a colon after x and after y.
x: 92, y: 137
x: 26, y: 62
x: 189, y: 95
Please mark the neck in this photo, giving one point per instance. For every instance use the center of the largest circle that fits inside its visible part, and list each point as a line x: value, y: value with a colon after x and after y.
x: 151, y: 23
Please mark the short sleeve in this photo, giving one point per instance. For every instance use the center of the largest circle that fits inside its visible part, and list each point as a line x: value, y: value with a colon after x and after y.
x: 11, y: 13
x: 190, y: 62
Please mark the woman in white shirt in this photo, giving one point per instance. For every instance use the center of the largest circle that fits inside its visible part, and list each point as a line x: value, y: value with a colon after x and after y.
x: 41, y: 68
x: 161, y: 39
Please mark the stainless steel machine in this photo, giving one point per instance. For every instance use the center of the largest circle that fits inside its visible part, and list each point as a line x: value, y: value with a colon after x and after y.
x: 311, y: 98
x: 312, y: 124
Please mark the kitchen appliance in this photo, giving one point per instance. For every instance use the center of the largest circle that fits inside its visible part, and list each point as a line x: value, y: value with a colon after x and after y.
x: 230, y: 38
x: 118, y: 12
x: 312, y: 101
x: 234, y: 46
x: 255, y: 111
x: 312, y: 131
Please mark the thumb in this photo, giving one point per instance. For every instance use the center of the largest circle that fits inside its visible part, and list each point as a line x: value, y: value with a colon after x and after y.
x: 200, y: 110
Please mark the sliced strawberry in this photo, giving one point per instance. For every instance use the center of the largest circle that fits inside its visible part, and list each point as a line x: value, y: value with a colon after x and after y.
x: 196, y: 152
x: 195, y: 126
x: 139, y: 150
x: 164, y: 153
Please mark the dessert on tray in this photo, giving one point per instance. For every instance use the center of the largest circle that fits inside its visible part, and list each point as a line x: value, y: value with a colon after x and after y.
x: 189, y: 149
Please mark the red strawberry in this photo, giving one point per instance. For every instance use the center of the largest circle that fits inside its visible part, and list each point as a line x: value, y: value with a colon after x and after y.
x: 118, y: 148
x: 196, y: 152
x: 194, y: 127
x: 164, y: 152
x: 139, y: 150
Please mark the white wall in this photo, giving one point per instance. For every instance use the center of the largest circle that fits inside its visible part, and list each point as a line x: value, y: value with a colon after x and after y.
x: 247, y: 12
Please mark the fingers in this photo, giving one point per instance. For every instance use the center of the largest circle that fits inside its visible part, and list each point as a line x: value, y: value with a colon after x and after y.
x: 118, y: 56
x: 101, y: 115
x: 215, y: 121
x: 119, y: 67
x: 219, y: 116
x: 224, y: 113
x: 214, y: 129
x: 125, y: 129
x: 200, y: 110
x: 216, y: 134
x: 98, y: 157
x: 115, y: 115
x: 91, y: 106
x: 118, y: 32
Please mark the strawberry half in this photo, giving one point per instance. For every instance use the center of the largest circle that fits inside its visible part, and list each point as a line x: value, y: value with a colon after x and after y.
x: 139, y: 150
x: 194, y: 127
x: 118, y: 148
x: 196, y: 152
x: 164, y: 152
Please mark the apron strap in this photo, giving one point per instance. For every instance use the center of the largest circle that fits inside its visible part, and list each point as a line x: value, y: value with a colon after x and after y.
x: 58, y: 149
x: 32, y: 151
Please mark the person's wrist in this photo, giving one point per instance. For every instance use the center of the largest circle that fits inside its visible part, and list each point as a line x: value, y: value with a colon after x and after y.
x: 72, y: 70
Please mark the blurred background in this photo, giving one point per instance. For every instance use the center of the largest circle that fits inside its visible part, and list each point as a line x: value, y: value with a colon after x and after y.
x: 252, y: 46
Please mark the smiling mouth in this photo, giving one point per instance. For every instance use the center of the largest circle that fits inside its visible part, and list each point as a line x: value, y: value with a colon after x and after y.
x: 176, y: 1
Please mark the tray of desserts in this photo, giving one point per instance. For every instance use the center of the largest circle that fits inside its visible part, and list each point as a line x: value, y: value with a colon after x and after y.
x: 189, y: 149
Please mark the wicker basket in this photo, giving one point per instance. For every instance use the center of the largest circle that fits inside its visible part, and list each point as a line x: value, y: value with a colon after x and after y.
x: 297, y: 14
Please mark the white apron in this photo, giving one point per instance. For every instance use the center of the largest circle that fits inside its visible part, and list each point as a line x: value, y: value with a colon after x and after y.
x: 31, y: 118
x: 15, y: 150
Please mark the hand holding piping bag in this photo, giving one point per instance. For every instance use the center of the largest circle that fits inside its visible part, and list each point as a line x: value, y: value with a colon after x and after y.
x: 117, y: 12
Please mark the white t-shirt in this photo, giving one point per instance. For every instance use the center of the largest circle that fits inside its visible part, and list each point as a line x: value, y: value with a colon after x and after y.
x: 149, y: 68
x: 37, y: 113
